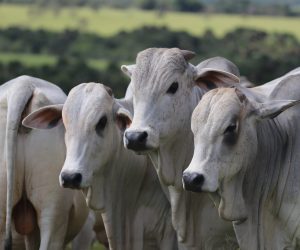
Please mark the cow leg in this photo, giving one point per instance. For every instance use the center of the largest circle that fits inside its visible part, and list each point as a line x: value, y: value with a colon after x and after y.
x: 52, y: 208
x: 32, y: 240
x: 53, y: 226
x: 169, y: 239
x: 86, y: 236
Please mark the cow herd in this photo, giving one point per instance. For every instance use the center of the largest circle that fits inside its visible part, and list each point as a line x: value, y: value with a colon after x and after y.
x: 189, y: 159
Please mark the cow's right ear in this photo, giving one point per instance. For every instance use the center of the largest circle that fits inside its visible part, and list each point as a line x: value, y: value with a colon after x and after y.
x: 44, y: 118
x: 128, y: 69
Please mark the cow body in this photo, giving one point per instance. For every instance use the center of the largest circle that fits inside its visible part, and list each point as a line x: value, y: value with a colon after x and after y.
x: 248, y: 151
x: 165, y: 91
x: 30, y: 164
x: 120, y: 184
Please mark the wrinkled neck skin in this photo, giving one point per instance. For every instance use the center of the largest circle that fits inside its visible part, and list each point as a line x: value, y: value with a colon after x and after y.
x: 119, y: 188
x: 271, y: 189
x: 194, y: 216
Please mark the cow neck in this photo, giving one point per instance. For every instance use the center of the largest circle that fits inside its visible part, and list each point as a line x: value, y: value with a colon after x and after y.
x: 266, y: 183
x: 122, y: 188
x: 173, y: 156
x: 186, y: 206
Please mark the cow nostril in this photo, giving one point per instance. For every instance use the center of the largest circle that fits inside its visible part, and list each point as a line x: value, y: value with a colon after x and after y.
x: 193, y: 181
x: 142, y: 136
x: 198, y: 180
x: 77, y: 178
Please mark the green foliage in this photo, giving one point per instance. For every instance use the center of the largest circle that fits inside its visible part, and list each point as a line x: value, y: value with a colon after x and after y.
x: 253, y: 8
x: 69, y: 58
x: 68, y: 73
x: 260, y: 7
x: 189, y: 5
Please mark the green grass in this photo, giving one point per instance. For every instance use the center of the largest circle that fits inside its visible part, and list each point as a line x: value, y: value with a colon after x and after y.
x: 108, y: 22
x: 28, y: 59
x: 36, y: 60
x: 96, y: 246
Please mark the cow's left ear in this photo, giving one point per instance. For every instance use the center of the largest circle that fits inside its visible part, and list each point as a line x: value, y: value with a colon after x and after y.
x: 216, y: 72
x: 272, y: 109
x: 128, y: 69
x: 44, y: 118
x: 123, y: 119
x: 122, y: 114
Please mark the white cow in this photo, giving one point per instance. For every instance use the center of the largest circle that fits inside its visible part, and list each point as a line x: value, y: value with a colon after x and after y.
x: 165, y: 92
x: 249, y: 152
x: 119, y: 183
x: 30, y: 162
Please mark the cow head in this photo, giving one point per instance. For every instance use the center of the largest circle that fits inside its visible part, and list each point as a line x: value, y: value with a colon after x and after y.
x: 94, y: 123
x: 225, y: 136
x: 162, y: 82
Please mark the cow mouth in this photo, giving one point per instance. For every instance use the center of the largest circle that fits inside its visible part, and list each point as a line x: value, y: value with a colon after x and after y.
x: 141, y: 149
x: 240, y: 221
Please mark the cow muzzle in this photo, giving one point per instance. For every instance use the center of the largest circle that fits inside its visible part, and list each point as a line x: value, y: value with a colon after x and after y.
x: 70, y: 180
x: 136, y: 141
x: 193, y: 182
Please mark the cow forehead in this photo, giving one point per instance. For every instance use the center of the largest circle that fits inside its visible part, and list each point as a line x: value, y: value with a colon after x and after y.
x: 155, y: 66
x: 215, y: 110
x: 86, y: 102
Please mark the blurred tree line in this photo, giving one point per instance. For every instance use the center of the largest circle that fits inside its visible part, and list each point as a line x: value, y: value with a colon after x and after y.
x: 260, y: 56
x: 253, y: 7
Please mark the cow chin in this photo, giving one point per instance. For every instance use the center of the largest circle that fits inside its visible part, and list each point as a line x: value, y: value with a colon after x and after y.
x: 232, y: 206
x: 236, y: 214
x: 93, y: 200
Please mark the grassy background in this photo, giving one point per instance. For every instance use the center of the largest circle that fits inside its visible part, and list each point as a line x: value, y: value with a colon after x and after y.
x: 34, y: 60
x: 107, y: 22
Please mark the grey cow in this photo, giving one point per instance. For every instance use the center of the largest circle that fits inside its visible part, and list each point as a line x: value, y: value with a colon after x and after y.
x: 247, y: 149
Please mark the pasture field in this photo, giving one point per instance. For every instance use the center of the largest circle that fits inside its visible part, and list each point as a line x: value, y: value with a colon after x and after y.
x: 107, y: 22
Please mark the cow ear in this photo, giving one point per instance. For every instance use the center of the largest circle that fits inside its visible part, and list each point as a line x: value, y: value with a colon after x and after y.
x: 128, y: 69
x: 123, y: 118
x: 44, y: 118
x: 108, y: 90
x: 188, y: 55
x: 272, y: 109
x: 216, y: 72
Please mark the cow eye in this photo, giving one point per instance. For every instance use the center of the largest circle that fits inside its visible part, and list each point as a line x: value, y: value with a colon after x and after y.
x: 230, y: 135
x: 101, y: 124
x: 173, y: 88
x: 230, y: 129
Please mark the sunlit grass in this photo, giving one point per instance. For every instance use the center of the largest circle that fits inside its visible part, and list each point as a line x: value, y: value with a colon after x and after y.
x: 108, y: 22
